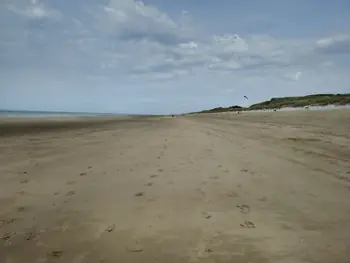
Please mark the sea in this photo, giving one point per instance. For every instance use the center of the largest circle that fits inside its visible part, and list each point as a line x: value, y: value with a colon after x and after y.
x: 45, y: 114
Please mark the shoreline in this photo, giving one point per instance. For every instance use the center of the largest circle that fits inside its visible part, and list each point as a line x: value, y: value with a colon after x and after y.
x: 12, y: 126
x: 17, y: 126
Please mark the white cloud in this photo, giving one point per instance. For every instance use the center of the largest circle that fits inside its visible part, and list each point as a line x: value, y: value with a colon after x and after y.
x: 135, y: 21
x: 294, y: 76
x: 35, y: 10
x: 127, y: 43
x: 298, y: 75
x: 335, y: 44
x: 131, y: 37
x: 189, y: 45
x: 231, y: 43
x: 185, y: 12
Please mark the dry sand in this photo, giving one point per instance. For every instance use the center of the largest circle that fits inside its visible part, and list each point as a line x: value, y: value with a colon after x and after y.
x: 255, y: 187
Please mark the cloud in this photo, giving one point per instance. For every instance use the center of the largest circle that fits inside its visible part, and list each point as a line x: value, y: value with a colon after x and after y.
x: 135, y: 21
x: 339, y: 44
x: 35, y: 10
x: 189, y: 46
x: 298, y: 75
x: 294, y: 76
x: 130, y: 37
x: 128, y: 45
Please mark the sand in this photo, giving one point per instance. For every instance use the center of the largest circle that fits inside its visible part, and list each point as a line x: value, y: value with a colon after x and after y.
x: 255, y: 187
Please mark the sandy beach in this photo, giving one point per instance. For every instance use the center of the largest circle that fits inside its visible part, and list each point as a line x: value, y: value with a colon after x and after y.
x: 250, y: 187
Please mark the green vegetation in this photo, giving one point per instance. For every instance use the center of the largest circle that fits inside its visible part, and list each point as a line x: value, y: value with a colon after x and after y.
x: 291, y: 102
x: 310, y: 100
x: 221, y: 109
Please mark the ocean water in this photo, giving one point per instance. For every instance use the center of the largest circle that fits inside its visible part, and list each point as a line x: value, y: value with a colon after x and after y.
x: 43, y: 114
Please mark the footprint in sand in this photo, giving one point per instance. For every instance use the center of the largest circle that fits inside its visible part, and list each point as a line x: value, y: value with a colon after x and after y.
x: 7, y: 236
x: 110, y: 228
x: 70, y: 193
x: 245, y: 209
x: 262, y: 199
x: 21, y: 209
x: 247, y: 224
x: 207, y: 215
x: 29, y: 236
x: 71, y: 182
x: 7, y: 221
x: 56, y: 253
x: 154, y: 175
x: 200, y: 192
x: 232, y: 194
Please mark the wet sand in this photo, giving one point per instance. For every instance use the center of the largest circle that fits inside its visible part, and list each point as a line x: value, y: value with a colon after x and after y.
x: 254, y: 187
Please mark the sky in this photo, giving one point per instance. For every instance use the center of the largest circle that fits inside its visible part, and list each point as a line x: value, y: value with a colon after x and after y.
x: 166, y: 56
